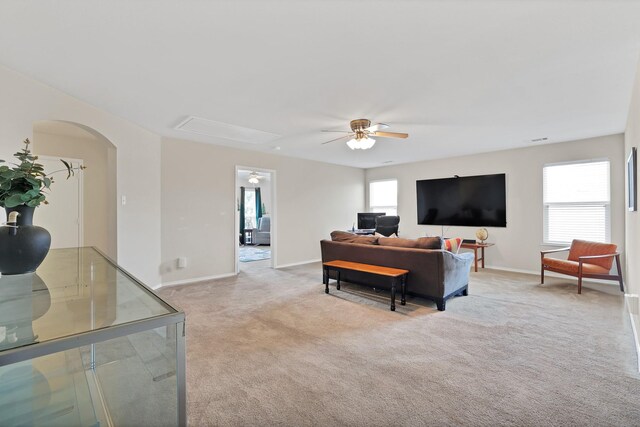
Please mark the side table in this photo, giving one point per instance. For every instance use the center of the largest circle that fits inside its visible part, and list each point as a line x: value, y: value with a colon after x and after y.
x: 248, y: 236
x: 475, y: 247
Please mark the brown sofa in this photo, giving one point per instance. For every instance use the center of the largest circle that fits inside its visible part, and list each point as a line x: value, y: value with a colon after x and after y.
x: 433, y: 273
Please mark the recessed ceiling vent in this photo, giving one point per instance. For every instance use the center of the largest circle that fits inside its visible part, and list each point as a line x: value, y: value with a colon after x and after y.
x: 225, y: 130
x: 539, y: 140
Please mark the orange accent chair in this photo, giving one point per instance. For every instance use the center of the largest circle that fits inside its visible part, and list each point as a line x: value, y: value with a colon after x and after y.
x: 585, y: 260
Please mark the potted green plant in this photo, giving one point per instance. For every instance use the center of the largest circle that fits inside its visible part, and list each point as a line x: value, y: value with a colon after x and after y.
x: 23, y: 187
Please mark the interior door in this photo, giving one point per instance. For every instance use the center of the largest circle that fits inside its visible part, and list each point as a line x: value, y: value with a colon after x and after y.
x: 62, y: 217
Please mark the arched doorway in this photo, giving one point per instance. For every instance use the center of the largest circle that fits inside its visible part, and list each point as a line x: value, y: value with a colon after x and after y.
x: 95, y: 188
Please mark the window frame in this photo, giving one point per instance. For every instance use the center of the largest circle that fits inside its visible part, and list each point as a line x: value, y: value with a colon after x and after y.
x: 385, y: 209
x: 248, y: 190
x: 545, y: 211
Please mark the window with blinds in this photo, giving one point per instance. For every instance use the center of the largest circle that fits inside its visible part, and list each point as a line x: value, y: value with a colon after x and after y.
x: 576, y: 198
x: 383, y: 196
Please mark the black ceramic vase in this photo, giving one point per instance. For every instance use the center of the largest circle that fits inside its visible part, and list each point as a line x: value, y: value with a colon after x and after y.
x: 23, y: 247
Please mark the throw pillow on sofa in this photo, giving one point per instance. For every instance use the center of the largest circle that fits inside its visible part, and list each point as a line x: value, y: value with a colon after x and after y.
x: 452, y: 245
x: 343, y: 236
x: 419, y: 243
x: 378, y: 235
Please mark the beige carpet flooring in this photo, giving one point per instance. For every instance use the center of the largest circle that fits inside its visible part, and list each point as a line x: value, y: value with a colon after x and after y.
x: 270, y: 348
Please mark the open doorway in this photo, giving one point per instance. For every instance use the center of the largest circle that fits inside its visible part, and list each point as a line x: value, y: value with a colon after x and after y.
x: 82, y: 210
x: 63, y: 214
x: 255, y: 218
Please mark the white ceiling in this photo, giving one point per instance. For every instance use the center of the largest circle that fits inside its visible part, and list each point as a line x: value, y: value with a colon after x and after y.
x: 460, y: 77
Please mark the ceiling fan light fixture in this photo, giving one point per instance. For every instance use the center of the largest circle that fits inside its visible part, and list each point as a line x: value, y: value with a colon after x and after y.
x: 361, y: 143
x: 254, y: 178
x: 361, y: 133
x: 367, y: 143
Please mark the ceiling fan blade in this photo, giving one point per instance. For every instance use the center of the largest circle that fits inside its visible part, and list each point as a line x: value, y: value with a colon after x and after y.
x: 377, y: 127
x: 390, y: 134
x: 338, y: 139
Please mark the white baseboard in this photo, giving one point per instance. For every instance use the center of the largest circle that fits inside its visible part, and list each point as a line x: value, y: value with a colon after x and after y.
x: 636, y: 338
x: 513, y: 270
x: 632, y: 314
x: 298, y: 263
x: 222, y: 276
x: 195, y: 280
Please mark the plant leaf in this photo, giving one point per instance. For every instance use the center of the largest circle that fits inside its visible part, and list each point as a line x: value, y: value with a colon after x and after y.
x: 13, y: 201
x: 68, y: 166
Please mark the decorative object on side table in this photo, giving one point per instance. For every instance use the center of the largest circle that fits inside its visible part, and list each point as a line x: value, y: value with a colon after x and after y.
x: 23, y: 246
x: 482, y: 234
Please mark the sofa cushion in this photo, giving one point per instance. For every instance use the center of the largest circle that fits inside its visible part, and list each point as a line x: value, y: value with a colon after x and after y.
x: 571, y: 267
x: 419, y: 243
x: 584, y: 248
x: 345, y: 237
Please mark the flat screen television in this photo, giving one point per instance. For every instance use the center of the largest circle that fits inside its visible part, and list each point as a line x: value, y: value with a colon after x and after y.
x: 467, y: 201
x: 367, y: 220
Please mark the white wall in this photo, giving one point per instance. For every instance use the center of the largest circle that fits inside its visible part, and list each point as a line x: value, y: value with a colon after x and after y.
x: 99, y: 183
x: 517, y: 245
x: 199, y: 206
x: 632, y: 279
x: 25, y: 101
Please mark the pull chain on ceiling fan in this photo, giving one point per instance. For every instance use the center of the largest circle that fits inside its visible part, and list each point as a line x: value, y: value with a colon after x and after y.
x: 361, y: 134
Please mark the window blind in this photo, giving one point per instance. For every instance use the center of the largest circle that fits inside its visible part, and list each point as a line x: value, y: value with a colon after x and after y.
x: 576, y: 199
x: 383, y: 196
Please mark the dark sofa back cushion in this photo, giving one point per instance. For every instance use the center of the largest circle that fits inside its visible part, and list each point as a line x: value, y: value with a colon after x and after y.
x: 419, y: 243
x: 343, y: 236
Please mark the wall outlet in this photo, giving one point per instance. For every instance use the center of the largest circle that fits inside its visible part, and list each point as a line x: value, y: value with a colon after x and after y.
x: 182, y: 262
x: 124, y: 200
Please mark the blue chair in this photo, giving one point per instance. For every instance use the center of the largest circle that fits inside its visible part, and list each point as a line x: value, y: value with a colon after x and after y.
x: 262, y: 234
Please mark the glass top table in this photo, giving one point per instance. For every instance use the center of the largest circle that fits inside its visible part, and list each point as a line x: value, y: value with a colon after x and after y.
x: 76, y: 291
x: 82, y: 342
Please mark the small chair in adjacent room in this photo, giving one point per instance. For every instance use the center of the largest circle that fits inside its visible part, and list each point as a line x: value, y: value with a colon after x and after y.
x: 586, y: 260
x: 387, y: 225
x: 262, y: 234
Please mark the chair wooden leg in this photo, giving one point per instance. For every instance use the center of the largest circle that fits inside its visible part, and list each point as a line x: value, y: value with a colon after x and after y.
x: 580, y: 283
x: 542, y: 275
x: 619, y: 273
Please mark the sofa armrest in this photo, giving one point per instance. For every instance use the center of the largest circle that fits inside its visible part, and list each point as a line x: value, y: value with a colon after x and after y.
x: 456, y: 270
x: 464, y: 256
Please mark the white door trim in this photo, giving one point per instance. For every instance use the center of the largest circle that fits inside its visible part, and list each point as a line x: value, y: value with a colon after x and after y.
x: 274, y: 214
x: 80, y: 176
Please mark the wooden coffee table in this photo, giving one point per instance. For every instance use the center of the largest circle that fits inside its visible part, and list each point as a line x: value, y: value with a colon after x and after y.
x: 395, y: 275
x: 475, y: 247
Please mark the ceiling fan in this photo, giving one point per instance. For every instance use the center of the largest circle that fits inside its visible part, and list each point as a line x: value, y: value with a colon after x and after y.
x: 254, y: 178
x: 361, y: 133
